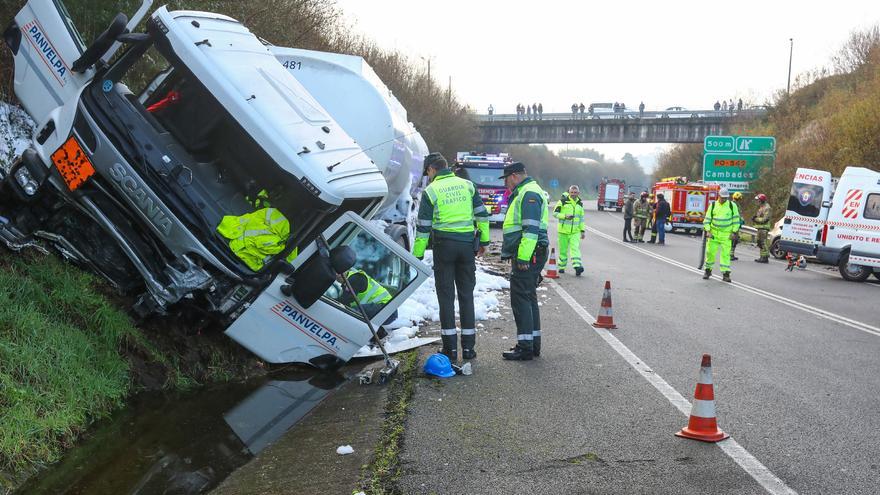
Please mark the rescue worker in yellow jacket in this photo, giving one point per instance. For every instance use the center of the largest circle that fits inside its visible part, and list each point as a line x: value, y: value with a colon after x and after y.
x: 762, y: 223
x: 452, y: 212
x: 569, y: 211
x: 721, y: 224
x: 641, y: 212
x: 372, y: 296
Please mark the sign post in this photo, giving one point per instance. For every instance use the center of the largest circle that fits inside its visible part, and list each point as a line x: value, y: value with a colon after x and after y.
x: 735, y: 161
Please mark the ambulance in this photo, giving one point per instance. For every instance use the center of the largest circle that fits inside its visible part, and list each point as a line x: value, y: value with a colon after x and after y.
x: 837, y: 223
x: 688, y: 202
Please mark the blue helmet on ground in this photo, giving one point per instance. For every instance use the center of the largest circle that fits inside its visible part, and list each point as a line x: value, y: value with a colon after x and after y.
x: 439, y: 365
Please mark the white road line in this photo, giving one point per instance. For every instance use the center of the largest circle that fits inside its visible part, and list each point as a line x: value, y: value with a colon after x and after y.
x: 734, y: 450
x: 828, y: 315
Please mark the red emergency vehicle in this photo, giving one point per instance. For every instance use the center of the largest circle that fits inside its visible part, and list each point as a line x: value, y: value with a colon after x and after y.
x: 484, y: 170
x: 611, y: 193
x: 687, y: 200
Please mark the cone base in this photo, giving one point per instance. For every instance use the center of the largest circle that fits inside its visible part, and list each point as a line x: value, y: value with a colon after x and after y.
x: 604, y: 325
x: 703, y: 437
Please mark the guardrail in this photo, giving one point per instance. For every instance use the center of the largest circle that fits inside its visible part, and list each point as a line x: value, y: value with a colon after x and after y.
x: 627, y: 115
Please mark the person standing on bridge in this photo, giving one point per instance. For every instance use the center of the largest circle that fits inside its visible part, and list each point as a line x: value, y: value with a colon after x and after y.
x: 720, y: 224
x: 739, y: 105
x: 724, y: 106
x: 449, y: 208
x: 717, y: 106
x: 641, y: 212
x: 491, y: 111
x: 761, y: 220
x: 528, y: 112
x: 540, y: 111
x: 628, y: 216
x: 535, y: 111
x: 570, y: 213
x: 641, y: 109
x: 525, y: 244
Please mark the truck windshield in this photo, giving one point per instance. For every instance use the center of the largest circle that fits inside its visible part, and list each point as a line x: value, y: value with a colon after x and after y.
x: 183, y: 139
x: 805, y: 199
x: 485, y: 177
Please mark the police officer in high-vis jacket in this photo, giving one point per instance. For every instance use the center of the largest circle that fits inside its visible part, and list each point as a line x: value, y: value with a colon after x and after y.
x: 451, y: 210
x: 525, y: 244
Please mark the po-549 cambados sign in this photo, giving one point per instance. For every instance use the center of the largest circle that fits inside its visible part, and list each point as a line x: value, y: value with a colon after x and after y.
x: 734, y: 161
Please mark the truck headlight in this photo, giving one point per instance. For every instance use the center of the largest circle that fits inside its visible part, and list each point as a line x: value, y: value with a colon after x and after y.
x: 27, y: 183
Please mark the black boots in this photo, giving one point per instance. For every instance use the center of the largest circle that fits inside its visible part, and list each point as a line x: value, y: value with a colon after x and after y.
x: 562, y: 270
x: 578, y: 270
x: 518, y: 353
x: 725, y: 276
x: 536, y: 346
x: 707, y: 274
x: 762, y: 259
x: 450, y: 346
x: 468, y: 342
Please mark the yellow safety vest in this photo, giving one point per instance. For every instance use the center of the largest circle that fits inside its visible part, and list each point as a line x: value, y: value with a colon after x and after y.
x: 256, y: 237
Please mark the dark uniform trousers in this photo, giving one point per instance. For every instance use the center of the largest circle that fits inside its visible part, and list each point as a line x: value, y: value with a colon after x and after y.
x: 455, y: 271
x: 524, y: 301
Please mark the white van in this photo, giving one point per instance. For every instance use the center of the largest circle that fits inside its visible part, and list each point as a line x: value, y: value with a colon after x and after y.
x: 839, y: 225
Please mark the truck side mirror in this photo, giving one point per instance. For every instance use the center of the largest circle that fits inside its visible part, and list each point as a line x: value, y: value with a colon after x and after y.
x: 826, y: 204
x: 101, y: 44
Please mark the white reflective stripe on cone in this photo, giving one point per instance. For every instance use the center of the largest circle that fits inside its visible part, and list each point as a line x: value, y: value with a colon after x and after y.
x: 524, y: 336
x: 703, y: 408
x: 448, y: 331
x: 705, y: 376
x: 468, y: 331
x: 603, y: 311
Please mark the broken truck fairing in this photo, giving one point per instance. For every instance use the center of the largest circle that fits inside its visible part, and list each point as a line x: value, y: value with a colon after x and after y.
x: 135, y: 163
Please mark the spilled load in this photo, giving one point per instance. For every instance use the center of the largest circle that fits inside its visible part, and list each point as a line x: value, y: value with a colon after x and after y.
x: 195, y: 172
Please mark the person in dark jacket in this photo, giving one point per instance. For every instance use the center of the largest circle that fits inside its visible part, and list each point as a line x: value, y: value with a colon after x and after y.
x: 662, y: 215
x: 628, y: 217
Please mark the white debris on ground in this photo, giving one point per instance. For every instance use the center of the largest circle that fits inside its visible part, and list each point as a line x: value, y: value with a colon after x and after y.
x: 344, y: 450
x: 16, y: 129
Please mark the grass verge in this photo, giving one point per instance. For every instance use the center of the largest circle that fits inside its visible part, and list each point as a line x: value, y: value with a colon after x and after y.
x: 380, y: 475
x: 60, y: 367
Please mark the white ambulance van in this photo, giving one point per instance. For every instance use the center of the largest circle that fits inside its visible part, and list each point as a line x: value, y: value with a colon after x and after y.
x: 838, y: 225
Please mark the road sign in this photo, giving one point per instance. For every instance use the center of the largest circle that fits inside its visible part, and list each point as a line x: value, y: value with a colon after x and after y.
x: 735, y: 161
x: 554, y: 183
x: 719, y: 144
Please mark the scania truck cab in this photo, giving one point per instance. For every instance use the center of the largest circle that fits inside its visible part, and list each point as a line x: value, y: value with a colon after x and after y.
x: 140, y: 155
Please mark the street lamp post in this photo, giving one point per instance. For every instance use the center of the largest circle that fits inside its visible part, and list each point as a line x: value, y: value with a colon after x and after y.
x: 790, y: 51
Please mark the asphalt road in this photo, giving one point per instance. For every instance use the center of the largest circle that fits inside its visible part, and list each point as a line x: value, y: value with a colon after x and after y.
x: 796, y: 373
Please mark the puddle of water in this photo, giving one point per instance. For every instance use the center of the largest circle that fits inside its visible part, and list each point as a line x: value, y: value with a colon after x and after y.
x: 183, y: 444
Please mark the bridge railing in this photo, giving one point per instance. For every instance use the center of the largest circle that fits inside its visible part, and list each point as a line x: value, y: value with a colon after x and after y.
x: 636, y: 115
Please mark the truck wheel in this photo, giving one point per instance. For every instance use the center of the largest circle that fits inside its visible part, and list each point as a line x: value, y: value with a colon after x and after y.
x: 851, y: 272
x: 877, y: 275
x: 601, y: 207
x: 775, y: 251
x: 398, y: 234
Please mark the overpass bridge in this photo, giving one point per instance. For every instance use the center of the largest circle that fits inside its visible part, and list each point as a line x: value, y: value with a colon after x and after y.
x: 685, y: 126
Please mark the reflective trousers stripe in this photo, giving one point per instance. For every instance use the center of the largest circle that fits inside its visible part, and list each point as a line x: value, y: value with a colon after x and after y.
x: 536, y: 333
x: 524, y: 336
x: 468, y: 331
x: 448, y: 331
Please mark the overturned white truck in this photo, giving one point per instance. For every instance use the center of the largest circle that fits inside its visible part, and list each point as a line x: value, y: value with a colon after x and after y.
x: 138, y: 158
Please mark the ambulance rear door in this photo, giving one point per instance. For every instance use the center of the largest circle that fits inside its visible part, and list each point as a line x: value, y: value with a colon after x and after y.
x: 807, y: 211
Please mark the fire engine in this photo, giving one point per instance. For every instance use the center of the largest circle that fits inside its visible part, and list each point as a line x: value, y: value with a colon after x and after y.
x: 688, y: 201
x: 484, y: 170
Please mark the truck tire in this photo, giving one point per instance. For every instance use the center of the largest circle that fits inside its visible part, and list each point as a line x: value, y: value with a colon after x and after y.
x: 775, y: 251
x: 398, y: 234
x: 877, y: 275
x: 601, y: 207
x: 853, y: 273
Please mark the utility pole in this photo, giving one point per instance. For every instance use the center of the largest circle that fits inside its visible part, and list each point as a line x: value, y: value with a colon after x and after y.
x: 428, y: 60
x: 449, y: 92
x: 790, y: 51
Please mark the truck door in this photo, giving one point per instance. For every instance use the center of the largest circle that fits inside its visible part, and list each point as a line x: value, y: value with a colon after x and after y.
x: 806, y: 212
x: 44, y: 44
x: 279, y: 329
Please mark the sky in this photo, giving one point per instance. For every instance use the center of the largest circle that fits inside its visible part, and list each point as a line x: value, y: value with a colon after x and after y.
x: 556, y: 52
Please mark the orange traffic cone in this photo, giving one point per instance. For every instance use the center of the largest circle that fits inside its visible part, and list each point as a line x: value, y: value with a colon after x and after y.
x: 551, y: 265
x: 605, y: 318
x: 702, y: 424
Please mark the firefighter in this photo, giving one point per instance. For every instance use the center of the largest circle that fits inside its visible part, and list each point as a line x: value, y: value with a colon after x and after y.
x: 720, y: 224
x: 641, y: 212
x: 570, y: 213
x: 737, y: 198
x: 652, y: 218
x: 449, y: 208
x: 525, y: 244
x: 761, y: 219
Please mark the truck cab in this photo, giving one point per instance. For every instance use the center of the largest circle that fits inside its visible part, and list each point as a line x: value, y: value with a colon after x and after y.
x: 837, y: 221
x: 138, y: 159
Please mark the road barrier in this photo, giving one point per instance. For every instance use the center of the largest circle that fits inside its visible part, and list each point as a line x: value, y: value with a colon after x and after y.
x: 702, y: 424
x: 605, y: 319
